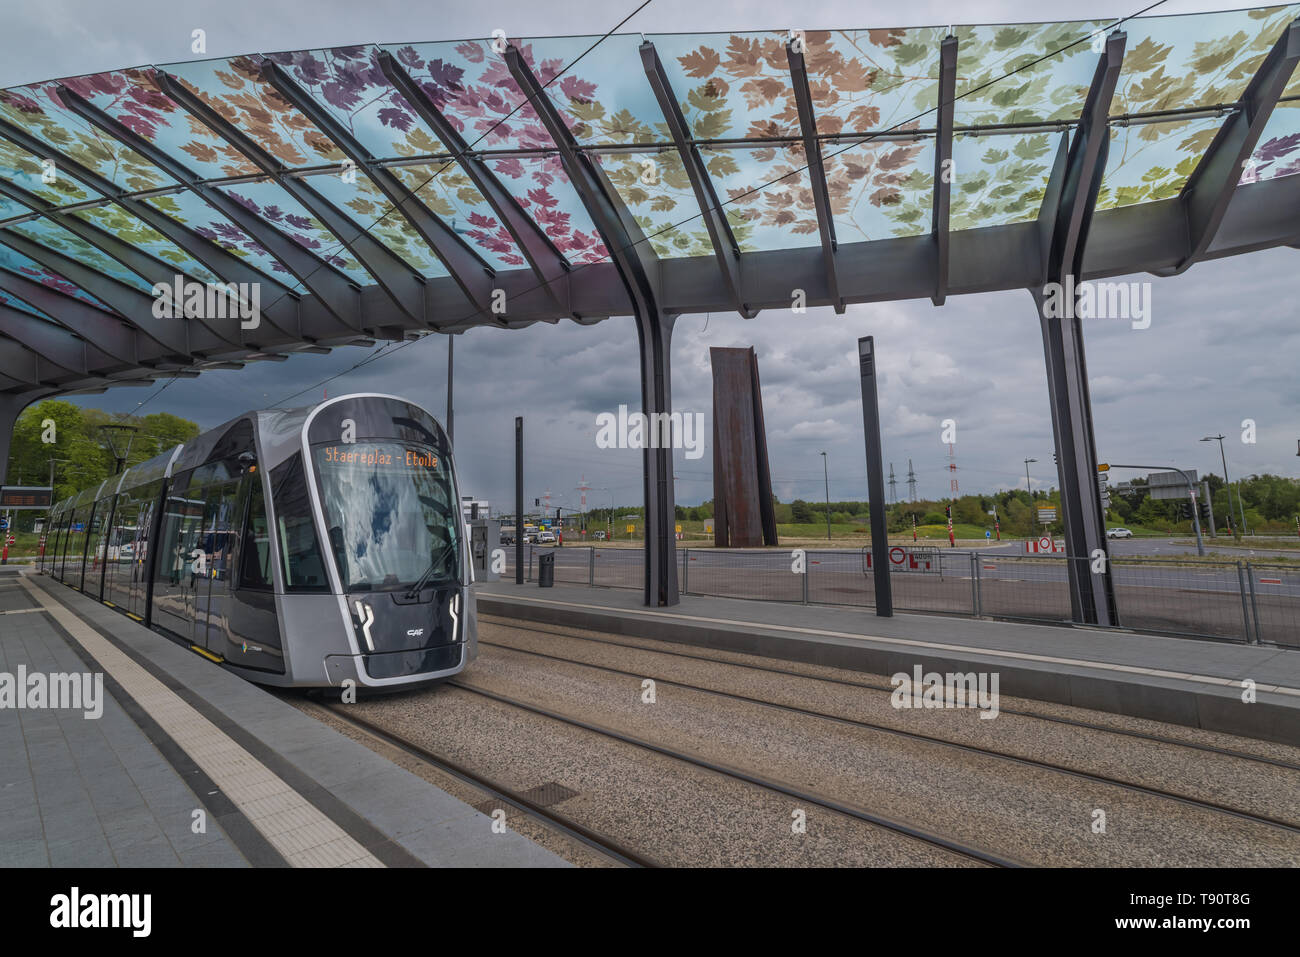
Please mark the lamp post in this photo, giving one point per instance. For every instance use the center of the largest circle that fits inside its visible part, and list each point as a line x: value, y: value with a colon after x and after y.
x: 827, y: 476
x: 1028, y: 486
x: 1224, y: 458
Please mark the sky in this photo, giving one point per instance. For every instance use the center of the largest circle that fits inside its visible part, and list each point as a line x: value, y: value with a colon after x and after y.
x: 1221, y: 348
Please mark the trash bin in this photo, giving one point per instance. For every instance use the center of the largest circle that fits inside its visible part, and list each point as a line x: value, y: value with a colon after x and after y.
x: 546, y: 569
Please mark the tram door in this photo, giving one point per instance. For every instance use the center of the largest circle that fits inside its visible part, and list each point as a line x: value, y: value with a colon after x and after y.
x: 177, y: 574
x: 212, y: 621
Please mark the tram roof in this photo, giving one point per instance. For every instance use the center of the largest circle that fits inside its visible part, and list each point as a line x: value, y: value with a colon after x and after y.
x: 386, y: 191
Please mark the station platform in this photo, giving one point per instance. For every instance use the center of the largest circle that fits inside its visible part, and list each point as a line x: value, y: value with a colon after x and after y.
x: 186, y: 764
x: 1184, y: 681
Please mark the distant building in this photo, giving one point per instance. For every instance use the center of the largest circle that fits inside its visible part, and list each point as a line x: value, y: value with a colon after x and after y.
x: 468, y: 503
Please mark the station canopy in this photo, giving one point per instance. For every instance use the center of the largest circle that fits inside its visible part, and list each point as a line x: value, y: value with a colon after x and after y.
x: 388, y: 191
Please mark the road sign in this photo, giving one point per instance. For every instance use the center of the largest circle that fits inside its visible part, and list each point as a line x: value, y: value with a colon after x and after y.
x: 1046, y: 514
x: 1045, y: 542
x: 1169, y: 485
x: 1103, y: 467
x: 631, y: 529
x: 987, y: 533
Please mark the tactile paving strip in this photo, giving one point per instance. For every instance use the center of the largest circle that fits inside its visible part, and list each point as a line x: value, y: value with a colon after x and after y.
x: 297, y: 829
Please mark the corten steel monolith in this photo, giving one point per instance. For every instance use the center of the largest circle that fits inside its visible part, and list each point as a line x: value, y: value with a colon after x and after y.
x: 743, y: 512
x: 875, y: 477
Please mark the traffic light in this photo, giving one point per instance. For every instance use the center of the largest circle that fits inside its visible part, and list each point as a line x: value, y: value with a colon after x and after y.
x: 1185, y: 510
x: 1203, y: 509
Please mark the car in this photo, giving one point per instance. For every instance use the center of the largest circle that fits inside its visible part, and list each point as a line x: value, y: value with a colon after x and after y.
x: 546, y: 538
x: 507, y: 537
x: 1118, y: 533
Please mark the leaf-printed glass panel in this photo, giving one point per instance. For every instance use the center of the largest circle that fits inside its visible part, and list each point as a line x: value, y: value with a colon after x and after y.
x: 863, y: 80
x: 55, y: 237
x: 1152, y: 161
x: 731, y: 85
x: 29, y: 173
x: 10, y: 208
x: 999, y: 179
x: 450, y: 194
x: 1202, y: 59
x: 282, y: 211
x: 16, y: 262
x: 540, y: 186
x: 133, y: 98
x: 236, y: 90
x: 766, y: 194
x: 605, y: 97
x: 1278, y: 151
x: 470, y: 83
x: 658, y: 193
x: 38, y: 111
x: 1023, y: 72
x: 129, y: 229
x: 189, y: 210
x: 880, y: 188
x: 370, y: 209
x: 13, y: 302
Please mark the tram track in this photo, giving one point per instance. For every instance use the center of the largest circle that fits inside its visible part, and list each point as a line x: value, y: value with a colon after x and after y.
x: 1092, y: 777
x: 563, y: 632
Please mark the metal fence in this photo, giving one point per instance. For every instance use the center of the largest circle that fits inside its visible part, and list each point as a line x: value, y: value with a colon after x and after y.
x: 1250, y: 602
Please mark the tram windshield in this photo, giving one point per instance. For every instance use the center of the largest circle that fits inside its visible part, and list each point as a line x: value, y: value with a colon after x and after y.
x: 391, y: 511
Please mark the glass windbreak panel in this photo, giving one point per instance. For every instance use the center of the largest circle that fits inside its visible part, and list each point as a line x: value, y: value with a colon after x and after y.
x: 540, y: 186
x: 370, y: 209
x: 1153, y: 161
x: 133, y: 98
x: 658, y: 193
x: 274, y: 205
x: 37, y: 110
x: 1005, y: 75
x: 1278, y: 151
x: 193, y: 212
x: 41, y: 177
x: 766, y: 194
x: 52, y: 236
x: 731, y: 85
x: 392, y: 513
x: 1191, y: 60
x: 1000, y: 179
x: 16, y: 262
x: 295, y: 528
x: 130, y: 229
x: 236, y: 90
x: 880, y: 188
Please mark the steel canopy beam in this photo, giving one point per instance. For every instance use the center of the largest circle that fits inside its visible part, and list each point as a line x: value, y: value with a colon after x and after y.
x: 1069, y: 206
x: 548, y: 264
x: 639, y: 270
x: 470, y: 271
x: 53, y: 342
x: 334, y: 290
x: 1208, y: 191
x: 943, y: 171
x: 816, y: 168
x: 108, y: 332
x: 725, y: 249
x: 403, y: 285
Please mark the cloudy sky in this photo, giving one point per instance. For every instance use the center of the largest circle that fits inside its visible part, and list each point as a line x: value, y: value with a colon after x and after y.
x: 1222, y: 346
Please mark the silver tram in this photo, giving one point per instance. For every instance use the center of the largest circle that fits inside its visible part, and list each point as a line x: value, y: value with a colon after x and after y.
x: 297, y: 547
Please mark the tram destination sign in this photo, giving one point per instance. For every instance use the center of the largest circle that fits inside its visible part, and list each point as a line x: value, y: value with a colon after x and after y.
x: 26, y: 497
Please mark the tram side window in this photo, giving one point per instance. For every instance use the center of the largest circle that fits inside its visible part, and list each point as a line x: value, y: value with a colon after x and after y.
x: 255, y: 559
x: 300, y: 553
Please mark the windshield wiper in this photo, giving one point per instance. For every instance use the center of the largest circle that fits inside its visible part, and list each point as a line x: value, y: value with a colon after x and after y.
x: 428, y: 572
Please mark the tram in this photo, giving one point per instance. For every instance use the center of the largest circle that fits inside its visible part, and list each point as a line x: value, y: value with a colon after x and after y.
x: 297, y: 547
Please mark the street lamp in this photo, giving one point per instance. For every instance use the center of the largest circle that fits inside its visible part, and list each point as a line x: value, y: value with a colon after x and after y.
x: 827, y: 476
x: 1223, y: 456
x: 1028, y: 485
